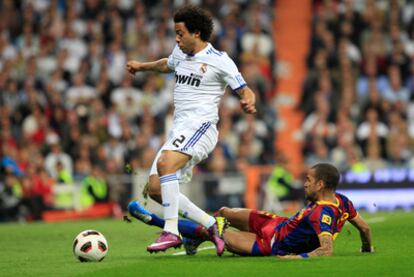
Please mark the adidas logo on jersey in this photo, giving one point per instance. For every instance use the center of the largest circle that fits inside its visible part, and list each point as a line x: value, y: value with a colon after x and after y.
x: 192, y: 80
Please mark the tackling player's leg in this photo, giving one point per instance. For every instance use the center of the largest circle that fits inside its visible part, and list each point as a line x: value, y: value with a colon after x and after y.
x: 193, y: 234
x: 187, y: 228
x: 237, y: 217
x: 239, y: 242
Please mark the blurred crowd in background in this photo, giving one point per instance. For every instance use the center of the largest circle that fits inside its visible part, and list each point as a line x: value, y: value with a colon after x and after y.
x: 70, y: 113
x: 358, y: 96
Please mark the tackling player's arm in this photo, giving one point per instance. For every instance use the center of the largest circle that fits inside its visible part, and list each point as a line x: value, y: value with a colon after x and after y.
x: 364, y: 232
x: 325, y: 248
x: 160, y: 66
x: 247, y: 100
x: 322, y: 221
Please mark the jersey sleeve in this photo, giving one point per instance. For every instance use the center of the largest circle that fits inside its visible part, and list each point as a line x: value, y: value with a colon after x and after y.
x: 231, y: 75
x: 322, y: 220
x: 175, y: 58
x: 351, y: 209
x: 347, y: 207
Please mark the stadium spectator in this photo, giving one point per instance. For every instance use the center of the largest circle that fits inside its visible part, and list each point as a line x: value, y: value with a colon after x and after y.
x: 217, y: 167
x: 373, y: 159
x: 399, y: 153
x: 9, y: 162
x: 10, y: 195
x: 256, y: 41
x: 94, y: 188
x: 370, y: 78
x: 317, y: 124
x: 55, y: 156
x: 339, y: 153
x: 228, y: 139
x: 10, y: 95
x: 319, y: 154
x: 396, y: 94
x: 371, y: 129
x: 79, y: 93
x: 127, y: 99
x: 63, y: 175
x: 279, y: 187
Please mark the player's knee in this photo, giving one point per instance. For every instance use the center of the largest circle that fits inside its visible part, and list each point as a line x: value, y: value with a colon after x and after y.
x: 227, y: 212
x: 164, y: 166
x: 223, y: 211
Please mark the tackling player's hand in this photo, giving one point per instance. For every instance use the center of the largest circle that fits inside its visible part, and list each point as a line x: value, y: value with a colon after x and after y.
x: 133, y: 67
x: 367, y: 249
x: 290, y: 257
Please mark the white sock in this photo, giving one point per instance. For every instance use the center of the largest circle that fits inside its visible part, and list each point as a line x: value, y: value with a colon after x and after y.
x: 190, y: 210
x: 170, y: 191
x: 171, y: 225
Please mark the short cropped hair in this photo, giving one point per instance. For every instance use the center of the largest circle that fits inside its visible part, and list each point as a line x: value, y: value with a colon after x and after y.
x: 195, y: 19
x: 328, y: 173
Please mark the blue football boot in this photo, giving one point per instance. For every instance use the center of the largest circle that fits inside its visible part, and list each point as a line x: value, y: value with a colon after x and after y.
x: 191, y: 245
x: 137, y: 211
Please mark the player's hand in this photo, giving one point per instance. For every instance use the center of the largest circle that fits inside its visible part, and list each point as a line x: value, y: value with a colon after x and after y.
x: 248, y: 100
x: 290, y: 257
x: 133, y: 67
x: 367, y: 249
x: 248, y: 106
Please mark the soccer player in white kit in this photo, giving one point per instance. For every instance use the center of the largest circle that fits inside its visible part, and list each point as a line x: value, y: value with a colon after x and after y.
x: 202, y: 74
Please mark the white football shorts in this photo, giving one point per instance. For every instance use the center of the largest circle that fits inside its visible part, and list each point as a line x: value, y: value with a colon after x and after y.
x: 192, y: 138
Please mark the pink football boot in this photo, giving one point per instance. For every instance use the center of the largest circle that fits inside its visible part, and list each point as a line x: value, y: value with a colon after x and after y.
x: 165, y: 241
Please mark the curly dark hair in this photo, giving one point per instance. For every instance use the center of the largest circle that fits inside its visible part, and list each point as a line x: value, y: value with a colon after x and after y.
x: 328, y: 173
x: 195, y: 19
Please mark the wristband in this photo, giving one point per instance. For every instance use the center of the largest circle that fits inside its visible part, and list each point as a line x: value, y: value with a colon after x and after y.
x: 304, y: 255
x: 369, y: 250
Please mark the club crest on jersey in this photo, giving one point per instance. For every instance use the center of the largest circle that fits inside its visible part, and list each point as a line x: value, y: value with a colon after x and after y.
x: 326, y: 219
x: 203, y: 68
x: 192, y: 80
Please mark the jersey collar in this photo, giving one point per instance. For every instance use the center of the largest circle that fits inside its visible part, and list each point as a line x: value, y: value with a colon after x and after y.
x: 336, y: 204
x: 201, y: 52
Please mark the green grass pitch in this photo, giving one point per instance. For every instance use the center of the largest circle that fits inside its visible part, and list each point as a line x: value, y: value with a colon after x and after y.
x: 40, y: 249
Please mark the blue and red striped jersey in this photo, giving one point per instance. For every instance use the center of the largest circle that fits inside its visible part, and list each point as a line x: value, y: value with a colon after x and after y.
x: 299, y: 234
x: 348, y: 212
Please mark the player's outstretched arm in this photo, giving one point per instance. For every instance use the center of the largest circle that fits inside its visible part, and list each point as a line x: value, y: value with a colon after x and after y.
x: 156, y: 66
x: 247, y: 100
x: 364, y: 232
x: 325, y: 249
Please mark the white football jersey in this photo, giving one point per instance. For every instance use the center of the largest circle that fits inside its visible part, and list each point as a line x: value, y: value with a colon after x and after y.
x: 200, y: 82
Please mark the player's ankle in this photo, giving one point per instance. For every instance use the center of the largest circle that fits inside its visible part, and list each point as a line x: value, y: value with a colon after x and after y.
x: 171, y: 225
